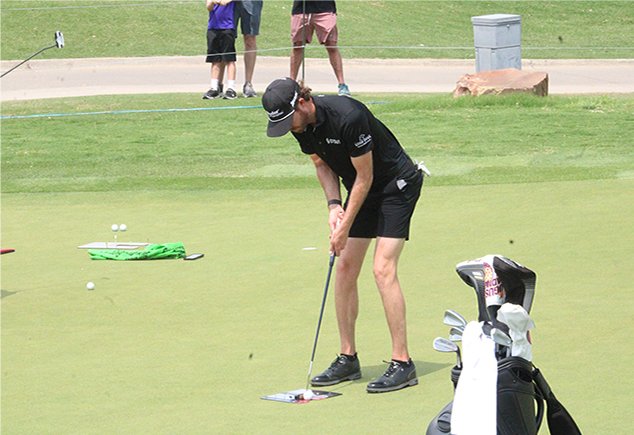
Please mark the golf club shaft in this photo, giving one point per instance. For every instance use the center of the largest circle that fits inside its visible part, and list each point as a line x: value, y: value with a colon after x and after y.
x: 321, y: 315
x: 26, y: 60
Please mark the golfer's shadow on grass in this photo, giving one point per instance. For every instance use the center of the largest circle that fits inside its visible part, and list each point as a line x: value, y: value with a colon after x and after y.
x: 6, y: 293
x: 371, y: 373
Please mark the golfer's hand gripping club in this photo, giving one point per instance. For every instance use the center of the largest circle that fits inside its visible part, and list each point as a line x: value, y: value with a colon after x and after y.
x: 334, y: 225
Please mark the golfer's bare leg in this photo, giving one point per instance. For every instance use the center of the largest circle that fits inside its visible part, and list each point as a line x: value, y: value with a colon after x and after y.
x: 335, y: 60
x: 346, y: 291
x: 386, y: 256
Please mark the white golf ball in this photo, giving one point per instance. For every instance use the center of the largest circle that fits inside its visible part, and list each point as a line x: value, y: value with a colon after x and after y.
x: 90, y: 286
x: 114, y: 227
x: 308, y: 394
x: 122, y: 227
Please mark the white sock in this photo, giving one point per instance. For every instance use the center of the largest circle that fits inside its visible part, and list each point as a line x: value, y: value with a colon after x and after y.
x: 231, y: 84
x: 214, y: 83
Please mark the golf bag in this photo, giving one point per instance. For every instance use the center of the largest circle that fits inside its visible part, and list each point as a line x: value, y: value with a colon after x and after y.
x: 516, y: 400
x: 522, y: 390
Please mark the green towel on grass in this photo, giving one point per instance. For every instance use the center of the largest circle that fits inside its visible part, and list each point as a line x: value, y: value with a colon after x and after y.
x: 151, y: 252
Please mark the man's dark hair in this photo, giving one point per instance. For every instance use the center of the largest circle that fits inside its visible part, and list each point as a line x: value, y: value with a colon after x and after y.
x: 305, y: 92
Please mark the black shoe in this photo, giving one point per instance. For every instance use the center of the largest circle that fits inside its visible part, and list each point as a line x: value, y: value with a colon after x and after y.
x: 212, y: 93
x: 341, y: 369
x: 398, y: 375
x: 230, y: 94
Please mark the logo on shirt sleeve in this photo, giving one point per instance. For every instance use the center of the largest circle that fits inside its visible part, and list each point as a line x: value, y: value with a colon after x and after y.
x: 363, y: 140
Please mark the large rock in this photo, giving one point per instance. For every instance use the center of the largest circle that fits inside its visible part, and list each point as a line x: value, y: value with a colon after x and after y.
x: 502, y: 81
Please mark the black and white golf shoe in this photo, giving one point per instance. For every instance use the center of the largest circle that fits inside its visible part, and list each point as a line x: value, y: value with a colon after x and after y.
x: 398, y: 375
x: 341, y: 369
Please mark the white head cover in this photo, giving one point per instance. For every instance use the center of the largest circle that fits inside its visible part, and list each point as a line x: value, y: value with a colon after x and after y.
x: 519, y: 323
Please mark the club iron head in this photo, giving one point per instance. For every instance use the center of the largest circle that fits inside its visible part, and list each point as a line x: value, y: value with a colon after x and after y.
x: 443, y: 345
x: 501, y: 337
x: 455, y: 337
x: 454, y: 319
x: 455, y: 334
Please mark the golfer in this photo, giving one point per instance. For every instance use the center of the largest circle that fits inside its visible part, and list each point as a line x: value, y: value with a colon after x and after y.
x: 346, y: 142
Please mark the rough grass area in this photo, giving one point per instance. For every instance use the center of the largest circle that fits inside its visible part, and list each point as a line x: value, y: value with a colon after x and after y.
x: 497, y: 140
x: 138, y: 28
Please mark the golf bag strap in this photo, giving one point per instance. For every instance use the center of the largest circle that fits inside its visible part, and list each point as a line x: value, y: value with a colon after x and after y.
x: 560, y: 422
x: 541, y: 407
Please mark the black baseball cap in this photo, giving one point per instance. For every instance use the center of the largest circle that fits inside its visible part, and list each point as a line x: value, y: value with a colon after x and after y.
x: 279, y: 101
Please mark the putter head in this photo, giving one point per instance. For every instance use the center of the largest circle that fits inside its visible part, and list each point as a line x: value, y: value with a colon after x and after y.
x: 452, y: 318
x: 59, y: 39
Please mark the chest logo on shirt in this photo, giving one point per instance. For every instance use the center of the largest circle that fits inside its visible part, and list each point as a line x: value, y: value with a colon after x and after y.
x: 363, y: 141
x: 333, y: 141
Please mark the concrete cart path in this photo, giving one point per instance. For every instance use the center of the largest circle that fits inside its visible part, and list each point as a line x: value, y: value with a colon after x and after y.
x: 102, y: 76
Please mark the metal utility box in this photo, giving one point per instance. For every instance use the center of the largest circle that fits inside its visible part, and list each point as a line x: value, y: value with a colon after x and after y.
x: 498, y: 41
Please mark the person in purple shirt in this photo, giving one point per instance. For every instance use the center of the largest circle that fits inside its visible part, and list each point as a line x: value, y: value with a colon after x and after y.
x: 221, y: 48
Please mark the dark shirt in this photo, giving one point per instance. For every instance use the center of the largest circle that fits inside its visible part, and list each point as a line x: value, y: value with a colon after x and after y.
x: 314, y: 7
x: 346, y: 128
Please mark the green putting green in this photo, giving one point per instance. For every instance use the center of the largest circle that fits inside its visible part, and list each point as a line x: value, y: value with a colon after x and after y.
x: 171, y: 346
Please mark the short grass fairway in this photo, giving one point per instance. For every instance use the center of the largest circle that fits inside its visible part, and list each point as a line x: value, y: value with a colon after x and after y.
x: 189, y: 347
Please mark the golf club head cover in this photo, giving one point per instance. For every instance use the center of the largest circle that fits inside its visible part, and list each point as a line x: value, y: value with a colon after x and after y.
x: 497, y: 279
x: 519, y: 323
x: 516, y: 280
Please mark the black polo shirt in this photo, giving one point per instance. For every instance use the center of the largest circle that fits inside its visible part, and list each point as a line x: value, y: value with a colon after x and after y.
x: 346, y: 128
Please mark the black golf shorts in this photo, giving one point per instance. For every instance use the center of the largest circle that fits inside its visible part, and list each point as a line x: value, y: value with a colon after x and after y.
x: 221, y: 45
x: 388, y: 213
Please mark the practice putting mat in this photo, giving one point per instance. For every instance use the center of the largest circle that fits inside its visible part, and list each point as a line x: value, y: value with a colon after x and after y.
x: 112, y: 245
